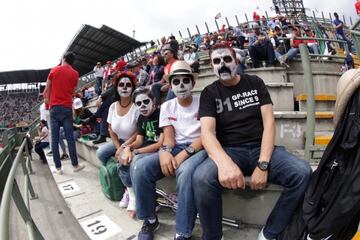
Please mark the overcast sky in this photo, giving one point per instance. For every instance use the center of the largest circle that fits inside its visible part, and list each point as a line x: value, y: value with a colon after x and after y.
x: 35, y: 33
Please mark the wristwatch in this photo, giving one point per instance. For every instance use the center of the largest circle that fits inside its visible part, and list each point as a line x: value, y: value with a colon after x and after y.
x: 263, y: 165
x: 190, y: 150
x: 136, y: 151
x: 165, y: 148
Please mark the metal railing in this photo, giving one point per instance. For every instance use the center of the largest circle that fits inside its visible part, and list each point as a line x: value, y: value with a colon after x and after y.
x: 8, y: 168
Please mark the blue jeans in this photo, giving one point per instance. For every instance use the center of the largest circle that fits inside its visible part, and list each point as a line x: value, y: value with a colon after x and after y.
x: 314, y: 49
x: 156, y: 92
x: 106, y: 151
x: 98, y: 85
x: 285, y: 169
x: 62, y: 116
x: 145, y: 171
x: 39, y: 149
x: 62, y: 138
x: 291, y: 54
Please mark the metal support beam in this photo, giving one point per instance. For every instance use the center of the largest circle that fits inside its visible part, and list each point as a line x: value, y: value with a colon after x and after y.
x: 207, y: 28
x: 310, y: 102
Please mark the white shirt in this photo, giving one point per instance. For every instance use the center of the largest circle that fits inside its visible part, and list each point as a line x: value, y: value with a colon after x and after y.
x: 123, y: 126
x: 183, y: 119
x: 99, y: 71
x: 43, y: 112
x: 45, y: 132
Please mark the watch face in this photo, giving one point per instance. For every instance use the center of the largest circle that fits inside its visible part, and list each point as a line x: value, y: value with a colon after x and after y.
x: 263, y: 165
x: 190, y: 150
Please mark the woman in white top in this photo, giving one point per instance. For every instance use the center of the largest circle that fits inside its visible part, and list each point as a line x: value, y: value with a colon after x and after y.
x: 122, y: 118
x: 42, y: 141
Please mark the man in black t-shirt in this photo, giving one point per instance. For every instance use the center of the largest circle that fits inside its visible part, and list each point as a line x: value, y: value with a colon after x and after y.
x: 238, y: 133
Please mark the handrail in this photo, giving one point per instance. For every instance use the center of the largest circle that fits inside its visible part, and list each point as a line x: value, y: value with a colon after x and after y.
x: 11, y: 190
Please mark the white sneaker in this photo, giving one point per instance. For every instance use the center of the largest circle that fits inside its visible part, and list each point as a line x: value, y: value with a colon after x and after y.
x: 262, y: 237
x: 132, y: 202
x: 125, y: 200
x: 78, y: 168
x: 58, y: 171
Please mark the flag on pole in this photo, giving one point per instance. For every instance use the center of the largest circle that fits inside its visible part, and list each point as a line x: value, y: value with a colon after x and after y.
x: 218, y: 16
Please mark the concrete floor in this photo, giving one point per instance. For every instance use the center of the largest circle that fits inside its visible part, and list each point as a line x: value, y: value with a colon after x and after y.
x: 87, y: 204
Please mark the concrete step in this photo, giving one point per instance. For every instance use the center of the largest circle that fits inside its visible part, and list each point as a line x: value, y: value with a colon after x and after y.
x: 322, y: 102
x: 281, y: 95
x: 270, y: 74
x: 291, y: 127
x: 324, y: 82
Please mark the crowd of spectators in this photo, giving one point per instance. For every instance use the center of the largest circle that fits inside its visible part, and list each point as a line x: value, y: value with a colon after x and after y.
x: 16, y: 108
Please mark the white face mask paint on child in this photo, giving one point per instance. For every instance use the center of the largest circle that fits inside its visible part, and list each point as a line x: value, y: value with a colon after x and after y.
x: 182, y: 86
x: 124, y: 87
x: 144, y: 104
x: 224, y: 64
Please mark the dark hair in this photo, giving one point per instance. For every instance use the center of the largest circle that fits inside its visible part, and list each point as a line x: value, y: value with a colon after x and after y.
x: 161, y: 61
x: 143, y: 90
x: 121, y: 75
x: 221, y: 46
x: 69, y: 57
x: 44, y: 122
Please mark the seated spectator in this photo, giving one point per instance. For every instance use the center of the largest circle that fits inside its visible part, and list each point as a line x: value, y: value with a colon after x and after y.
x: 42, y: 141
x: 238, y: 133
x: 192, y: 58
x: 122, y: 118
x: 148, y: 140
x: 281, y: 46
x: 180, y: 154
x: 108, y: 74
x: 260, y: 48
x: 294, y: 43
x: 313, y: 45
x: 157, y: 70
x: 139, y: 72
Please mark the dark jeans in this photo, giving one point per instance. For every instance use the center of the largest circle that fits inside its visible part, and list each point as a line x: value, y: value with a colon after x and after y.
x: 195, y: 67
x: 62, y: 117
x: 102, y: 113
x: 98, y: 85
x: 264, y: 51
x: 156, y: 92
x: 39, y: 149
x: 285, y: 169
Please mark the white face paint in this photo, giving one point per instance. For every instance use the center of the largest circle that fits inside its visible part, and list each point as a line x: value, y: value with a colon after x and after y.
x: 181, y: 85
x: 224, y: 64
x: 124, y: 87
x: 144, y: 104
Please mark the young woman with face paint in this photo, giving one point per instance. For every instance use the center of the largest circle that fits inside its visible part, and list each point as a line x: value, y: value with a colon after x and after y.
x: 122, y: 120
x: 179, y: 155
x: 149, y: 136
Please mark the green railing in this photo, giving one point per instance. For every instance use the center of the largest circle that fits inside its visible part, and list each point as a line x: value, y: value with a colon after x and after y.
x: 355, y: 32
x: 8, y: 168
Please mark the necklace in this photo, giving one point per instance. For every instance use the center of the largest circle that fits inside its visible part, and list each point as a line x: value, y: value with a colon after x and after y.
x: 125, y: 105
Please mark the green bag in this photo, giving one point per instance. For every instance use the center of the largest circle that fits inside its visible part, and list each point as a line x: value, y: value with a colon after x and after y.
x: 110, y: 181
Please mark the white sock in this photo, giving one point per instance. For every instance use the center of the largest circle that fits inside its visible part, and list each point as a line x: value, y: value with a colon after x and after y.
x: 132, y: 200
x: 151, y: 221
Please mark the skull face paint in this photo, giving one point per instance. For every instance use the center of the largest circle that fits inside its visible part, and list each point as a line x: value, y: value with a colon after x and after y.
x: 124, y: 87
x: 144, y: 104
x: 224, y: 64
x: 181, y: 85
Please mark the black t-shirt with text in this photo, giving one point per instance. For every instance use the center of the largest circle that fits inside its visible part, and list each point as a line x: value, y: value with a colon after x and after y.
x: 236, y: 109
x: 149, y: 127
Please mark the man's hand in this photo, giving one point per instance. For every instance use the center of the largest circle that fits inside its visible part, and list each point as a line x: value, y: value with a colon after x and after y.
x: 230, y: 175
x: 166, y: 163
x: 46, y: 100
x: 258, y: 179
x: 179, y: 158
x: 126, y: 156
x: 98, y: 102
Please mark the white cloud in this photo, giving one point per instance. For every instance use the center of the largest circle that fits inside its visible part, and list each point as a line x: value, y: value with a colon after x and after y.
x: 35, y: 33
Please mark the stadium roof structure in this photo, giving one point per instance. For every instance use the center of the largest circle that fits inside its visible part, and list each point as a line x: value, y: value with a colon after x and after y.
x: 92, y: 45
x: 24, y: 76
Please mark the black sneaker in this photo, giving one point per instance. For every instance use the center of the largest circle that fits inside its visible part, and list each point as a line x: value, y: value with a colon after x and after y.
x: 64, y: 156
x: 100, y: 140
x: 49, y: 153
x: 148, y: 229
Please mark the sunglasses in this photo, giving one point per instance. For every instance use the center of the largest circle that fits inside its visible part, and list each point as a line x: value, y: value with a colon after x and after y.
x: 146, y: 102
x: 177, y: 81
x: 128, y: 85
x: 227, y: 59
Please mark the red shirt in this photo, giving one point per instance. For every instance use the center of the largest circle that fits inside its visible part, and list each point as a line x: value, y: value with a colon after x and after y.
x: 120, y: 65
x: 64, y: 80
x: 357, y: 7
x: 297, y: 42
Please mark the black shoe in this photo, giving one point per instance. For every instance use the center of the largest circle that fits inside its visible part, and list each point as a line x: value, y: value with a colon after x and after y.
x: 64, y: 156
x: 100, y: 140
x: 49, y: 153
x: 148, y: 229
x: 88, y: 120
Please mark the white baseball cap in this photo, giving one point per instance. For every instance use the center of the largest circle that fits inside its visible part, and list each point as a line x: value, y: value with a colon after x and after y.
x: 77, y: 103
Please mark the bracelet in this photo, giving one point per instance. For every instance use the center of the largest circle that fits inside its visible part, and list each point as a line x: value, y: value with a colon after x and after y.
x: 136, y: 151
x: 165, y: 148
x: 124, y: 145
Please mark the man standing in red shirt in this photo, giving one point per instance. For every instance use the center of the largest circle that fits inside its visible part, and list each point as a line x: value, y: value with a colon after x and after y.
x: 357, y: 7
x: 60, y: 86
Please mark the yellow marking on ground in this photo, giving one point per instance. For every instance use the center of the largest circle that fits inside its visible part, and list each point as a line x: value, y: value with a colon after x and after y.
x: 357, y: 236
x: 322, y: 139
